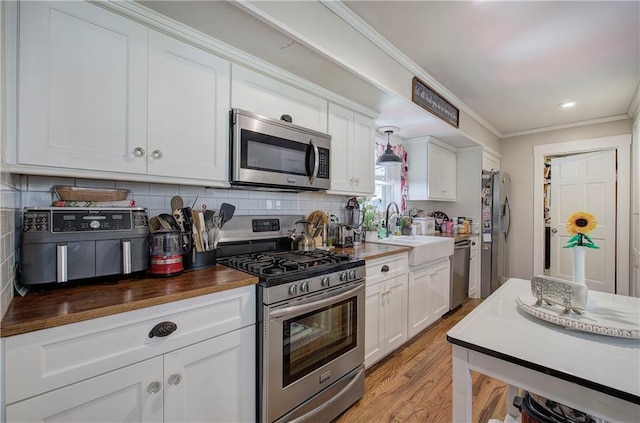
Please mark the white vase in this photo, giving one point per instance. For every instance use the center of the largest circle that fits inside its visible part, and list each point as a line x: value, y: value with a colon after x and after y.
x: 579, y: 265
x: 371, y: 236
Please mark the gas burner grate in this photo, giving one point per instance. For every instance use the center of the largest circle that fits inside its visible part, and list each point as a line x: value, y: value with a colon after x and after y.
x: 281, y: 262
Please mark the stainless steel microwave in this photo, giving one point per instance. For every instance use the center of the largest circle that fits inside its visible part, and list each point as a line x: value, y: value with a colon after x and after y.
x: 276, y: 154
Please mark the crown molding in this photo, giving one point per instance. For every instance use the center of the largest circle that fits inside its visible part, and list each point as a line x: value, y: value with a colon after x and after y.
x: 566, y: 125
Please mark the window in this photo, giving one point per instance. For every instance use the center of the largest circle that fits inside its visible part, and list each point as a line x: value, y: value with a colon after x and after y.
x: 387, y: 186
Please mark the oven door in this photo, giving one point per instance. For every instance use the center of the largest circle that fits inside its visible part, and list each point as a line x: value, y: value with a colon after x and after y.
x: 309, y: 345
x: 277, y: 154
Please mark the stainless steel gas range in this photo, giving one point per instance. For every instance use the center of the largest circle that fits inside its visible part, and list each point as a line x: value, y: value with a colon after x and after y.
x: 310, y: 320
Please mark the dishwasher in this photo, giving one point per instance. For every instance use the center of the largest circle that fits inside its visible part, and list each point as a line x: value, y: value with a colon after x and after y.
x: 460, y: 273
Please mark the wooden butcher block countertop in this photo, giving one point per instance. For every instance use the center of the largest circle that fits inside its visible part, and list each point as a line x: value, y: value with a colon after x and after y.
x: 370, y: 251
x: 42, y: 309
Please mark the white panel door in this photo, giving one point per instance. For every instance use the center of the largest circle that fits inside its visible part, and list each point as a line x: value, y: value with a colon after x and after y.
x: 130, y: 394
x: 585, y: 182
x: 83, y: 87
x: 188, y: 110
x: 213, y: 380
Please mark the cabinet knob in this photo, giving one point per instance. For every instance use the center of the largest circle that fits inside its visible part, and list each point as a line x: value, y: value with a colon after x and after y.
x: 138, y: 151
x: 156, y: 154
x: 554, y: 230
x: 163, y: 329
x: 384, y: 269
x: 154, y: 387
x: 175, y: 379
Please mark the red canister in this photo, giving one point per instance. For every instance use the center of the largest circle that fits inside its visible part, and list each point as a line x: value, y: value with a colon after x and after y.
x: 166, y: 253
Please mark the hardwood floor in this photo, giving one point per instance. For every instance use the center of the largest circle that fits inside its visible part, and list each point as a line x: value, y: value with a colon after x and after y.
x: 413, y: 384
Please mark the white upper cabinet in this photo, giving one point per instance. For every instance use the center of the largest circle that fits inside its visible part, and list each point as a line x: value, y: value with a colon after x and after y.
x: 188, y: 110
x: 99, y: 92
x: 265, y: 96
x: 352, y: 152
x: 431, y: 171
x: 82, y: 89
x: 489, y: 161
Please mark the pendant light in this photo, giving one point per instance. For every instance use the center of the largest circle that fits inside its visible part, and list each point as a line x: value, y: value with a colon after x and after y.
x: 388, y: 158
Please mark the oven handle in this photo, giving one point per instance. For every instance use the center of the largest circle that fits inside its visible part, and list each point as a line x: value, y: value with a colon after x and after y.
x: 315, y: 304
x: 327, y: 404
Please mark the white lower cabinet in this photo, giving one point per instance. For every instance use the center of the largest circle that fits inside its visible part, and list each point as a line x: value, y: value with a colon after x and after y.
x: 110, y: 369
x: 386, y: 307
x: 130, y: 394
x: 474, y: 270
x: 429, y: 290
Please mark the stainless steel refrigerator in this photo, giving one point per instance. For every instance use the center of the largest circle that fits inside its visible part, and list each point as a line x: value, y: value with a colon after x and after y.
x: 495, y: 222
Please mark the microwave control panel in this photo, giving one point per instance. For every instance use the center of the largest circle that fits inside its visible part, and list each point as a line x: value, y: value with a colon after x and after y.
x: 323, y: 163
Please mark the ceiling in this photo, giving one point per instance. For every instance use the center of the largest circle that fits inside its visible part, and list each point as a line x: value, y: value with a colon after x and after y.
x: 507, y: 64
x: 515, y: 62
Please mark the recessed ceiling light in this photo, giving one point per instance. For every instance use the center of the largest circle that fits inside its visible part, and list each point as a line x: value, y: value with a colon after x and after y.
x: 567, y: 104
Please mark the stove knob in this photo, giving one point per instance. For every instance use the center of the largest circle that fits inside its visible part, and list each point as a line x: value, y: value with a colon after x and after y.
x: 352, y: 274
x: 94, y: 224
x: 343, y: 276
x: 293, y: 290
x: 304, y: 287
x: 325, y: 281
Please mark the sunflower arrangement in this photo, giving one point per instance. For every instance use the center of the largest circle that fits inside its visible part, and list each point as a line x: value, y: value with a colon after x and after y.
x: 580, y: 224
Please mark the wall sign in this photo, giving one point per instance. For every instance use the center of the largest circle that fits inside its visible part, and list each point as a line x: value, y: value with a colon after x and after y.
x: 431, y: 101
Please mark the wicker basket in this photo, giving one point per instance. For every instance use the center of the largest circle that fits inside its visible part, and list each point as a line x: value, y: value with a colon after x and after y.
x: 67, y: 193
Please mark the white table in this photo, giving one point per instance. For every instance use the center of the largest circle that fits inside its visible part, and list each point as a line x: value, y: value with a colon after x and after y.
x: 597, y: 374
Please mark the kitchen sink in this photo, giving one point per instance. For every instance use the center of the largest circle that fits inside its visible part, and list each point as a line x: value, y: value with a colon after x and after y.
x: 424, y: 248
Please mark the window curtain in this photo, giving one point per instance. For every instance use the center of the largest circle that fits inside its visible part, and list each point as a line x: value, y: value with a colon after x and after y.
x: 399, y: 151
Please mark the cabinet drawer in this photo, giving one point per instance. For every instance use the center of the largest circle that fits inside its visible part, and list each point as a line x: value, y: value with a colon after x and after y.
x: 385, y: 268
x: 40, y: 361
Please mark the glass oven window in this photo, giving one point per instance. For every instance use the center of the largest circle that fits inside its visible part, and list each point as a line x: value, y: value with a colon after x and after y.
x: 314, y: 339
x: 273, y: 154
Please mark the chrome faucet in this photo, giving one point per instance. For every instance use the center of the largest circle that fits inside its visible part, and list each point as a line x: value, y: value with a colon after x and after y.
x: 387, y: 216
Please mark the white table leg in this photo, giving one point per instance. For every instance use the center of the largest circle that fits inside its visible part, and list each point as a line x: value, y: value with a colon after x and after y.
x: 462, y: 394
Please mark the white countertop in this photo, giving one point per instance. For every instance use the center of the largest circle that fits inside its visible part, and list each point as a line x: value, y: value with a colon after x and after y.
x: 499, y: 327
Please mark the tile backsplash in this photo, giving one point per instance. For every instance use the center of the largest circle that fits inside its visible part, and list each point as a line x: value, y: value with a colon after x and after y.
x: 36, y: 191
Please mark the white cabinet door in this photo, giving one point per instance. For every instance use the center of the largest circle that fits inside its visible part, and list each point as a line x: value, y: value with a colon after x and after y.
x: 395, y: 312
x: 130, y: 394
x: 431, y: 171
x: 489, y: 161
x: 374, y: 324
x: 352, y: 152
x: 341, y: 131
x: 213, y: 380
x: 188, y: 110
x: 265, y: 96
x: 364, y: 144
x: 474, y: 271
x: 441, y: 175
x: 428, y: 295
x: 440, y: 289
x: 83, y: 88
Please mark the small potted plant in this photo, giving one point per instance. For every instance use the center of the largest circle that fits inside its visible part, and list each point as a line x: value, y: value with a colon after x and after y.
x: 405, y: 225
x: 370, y: 222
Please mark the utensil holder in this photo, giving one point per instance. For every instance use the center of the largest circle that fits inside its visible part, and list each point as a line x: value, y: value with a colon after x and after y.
x: 199, y: 260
